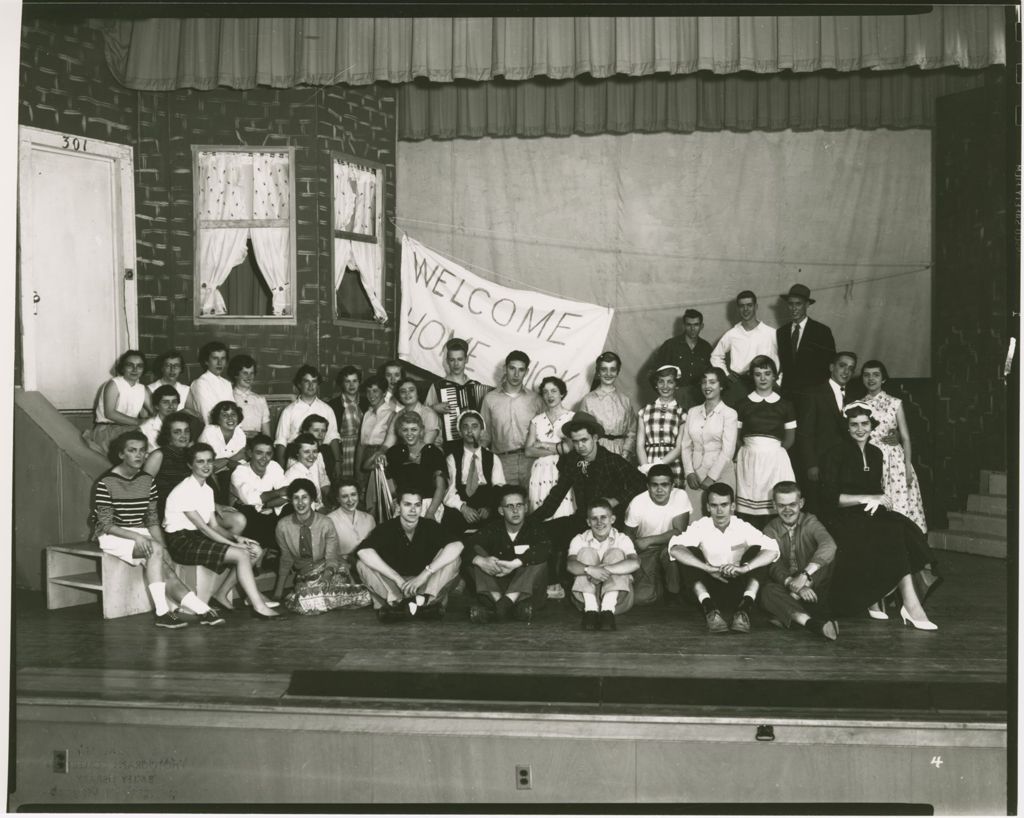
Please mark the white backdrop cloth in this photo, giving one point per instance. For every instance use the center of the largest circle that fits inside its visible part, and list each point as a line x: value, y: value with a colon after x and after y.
x: 440, y: 298
x: 651, y: 224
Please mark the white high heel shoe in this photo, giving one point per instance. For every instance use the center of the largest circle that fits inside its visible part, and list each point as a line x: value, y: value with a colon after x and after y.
x: 920, y: 624
x: 877, y: 614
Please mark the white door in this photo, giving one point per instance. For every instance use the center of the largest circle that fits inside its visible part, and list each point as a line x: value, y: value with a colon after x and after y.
x: 76, y: 233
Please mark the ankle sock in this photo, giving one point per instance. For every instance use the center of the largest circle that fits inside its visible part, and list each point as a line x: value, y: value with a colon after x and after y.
x: 194, y: 603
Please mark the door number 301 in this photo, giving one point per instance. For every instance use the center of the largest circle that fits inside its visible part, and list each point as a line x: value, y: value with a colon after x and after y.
x: 74, y: 143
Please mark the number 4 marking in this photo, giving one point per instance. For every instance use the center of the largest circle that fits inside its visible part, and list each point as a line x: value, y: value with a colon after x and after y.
x: 936, y: 762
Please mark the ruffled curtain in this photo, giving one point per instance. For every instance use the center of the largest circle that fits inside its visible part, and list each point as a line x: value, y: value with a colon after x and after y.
x: 684, y: 103
x: 355, y: 206
x: 163, y: 54
x: 243, y: 187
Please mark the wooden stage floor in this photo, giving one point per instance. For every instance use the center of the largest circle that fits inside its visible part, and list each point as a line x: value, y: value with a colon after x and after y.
x: 349, y: 655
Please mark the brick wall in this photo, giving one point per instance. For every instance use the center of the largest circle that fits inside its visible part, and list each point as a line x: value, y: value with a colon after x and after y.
x: 66, y: 86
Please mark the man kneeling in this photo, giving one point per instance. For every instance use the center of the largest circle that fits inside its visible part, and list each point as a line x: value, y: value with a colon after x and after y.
x: 407, y: 564
x: 510, y: 561
x: 723, y: 559
x: 602, y: 560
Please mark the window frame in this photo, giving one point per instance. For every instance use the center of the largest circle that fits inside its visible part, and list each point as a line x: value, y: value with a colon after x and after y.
x: 290, y: 319
x: 381, y: 169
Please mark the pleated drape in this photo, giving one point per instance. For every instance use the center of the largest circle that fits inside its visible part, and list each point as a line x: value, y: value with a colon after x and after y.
x: 162, y: 54
x: 824, y: 100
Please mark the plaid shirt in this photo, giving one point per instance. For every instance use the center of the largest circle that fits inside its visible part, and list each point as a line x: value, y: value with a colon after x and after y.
x: 607, y: 475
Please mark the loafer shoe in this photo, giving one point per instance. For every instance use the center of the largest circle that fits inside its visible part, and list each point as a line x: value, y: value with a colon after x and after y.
x: 740, y: 622
x: 716, y: 624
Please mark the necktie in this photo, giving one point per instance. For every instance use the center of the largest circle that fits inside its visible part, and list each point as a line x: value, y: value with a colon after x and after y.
x: 472, y: 481
x: 796, y: 337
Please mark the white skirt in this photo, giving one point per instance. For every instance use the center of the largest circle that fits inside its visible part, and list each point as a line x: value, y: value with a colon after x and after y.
x: 760, y: 463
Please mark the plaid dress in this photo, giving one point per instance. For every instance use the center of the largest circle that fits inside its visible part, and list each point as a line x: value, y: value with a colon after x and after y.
x: 662, y: 423
x: 350, y: 419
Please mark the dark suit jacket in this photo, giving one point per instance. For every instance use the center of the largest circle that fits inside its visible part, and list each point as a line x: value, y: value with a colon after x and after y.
x: 820, y: 425
x: 817, y: 346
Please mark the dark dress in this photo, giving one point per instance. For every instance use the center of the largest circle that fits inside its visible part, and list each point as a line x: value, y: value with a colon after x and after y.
x: 173, y: 469
x: 415, y: 474
x: 874, y: 551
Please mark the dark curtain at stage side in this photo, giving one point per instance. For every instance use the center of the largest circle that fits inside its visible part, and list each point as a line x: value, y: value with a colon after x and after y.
x: 681, y: 103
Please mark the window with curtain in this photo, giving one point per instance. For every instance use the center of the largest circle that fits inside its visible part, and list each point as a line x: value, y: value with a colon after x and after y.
x: 358, y: 194
x: 244, y: 234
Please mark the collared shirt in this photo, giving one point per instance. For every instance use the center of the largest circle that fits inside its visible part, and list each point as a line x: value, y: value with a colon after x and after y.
x: 607, y: 475
x: 742, y: 346
x: 206, y: 392
x: 839, y: 393
x: 530, y: 544
x: 255, y: 410
x: 802, y: 323
x: 375, y: 424
x: 615, y: 411
x: 290, y: 421
x: 348, y: 414
x: 691, y: 362
x: 214, y: 436
x: 248, y: 487
x: 188, y: 495
x: 649, y: 519
x: 181, y: 388
x: 507, y: 418
x: 352, y: 528
x: 721, y: 547
x: 317, y: 474
x: 451, y: 497
x: 615, y: 539
x: 769, y: 416
x: 323, y: 544
x: 709, y: 440
x: 406, y: 556
x: 807, y: 541
x: 431, y: 423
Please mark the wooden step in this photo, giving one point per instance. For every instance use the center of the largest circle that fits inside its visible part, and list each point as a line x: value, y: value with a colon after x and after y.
x: 993, y: 482
x: 968, y: 542
x: 987, y: 504
x: 992, y: 524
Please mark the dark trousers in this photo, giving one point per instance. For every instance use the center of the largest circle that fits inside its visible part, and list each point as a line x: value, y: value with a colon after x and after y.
x: 528, y: 581
x: 560, y: 531
x: 723, y: 594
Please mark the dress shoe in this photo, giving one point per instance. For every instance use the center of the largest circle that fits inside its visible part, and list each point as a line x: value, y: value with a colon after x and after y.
x: 740, y: 622
x: 265, y: 617
x: 877, y: 614
x: 716, y: 624
x: 432, y: 612
x: 390, y: 613
x: 590, y: 621
x: 555, y: 591
x: 826, y: 628
x: 523, y: 611
x: 920, y: 624
x: 607, y: 621
x: 479, y: 615
x: 503, y: 609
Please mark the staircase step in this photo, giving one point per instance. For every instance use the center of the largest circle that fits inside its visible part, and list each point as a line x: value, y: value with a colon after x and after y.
x: 968, y: 542
x: 993, y: 482
x: 987, y: 504
x: 993, y: 524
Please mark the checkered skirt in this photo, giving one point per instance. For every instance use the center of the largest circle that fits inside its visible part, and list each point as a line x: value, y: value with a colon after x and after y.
x: 190, y: 547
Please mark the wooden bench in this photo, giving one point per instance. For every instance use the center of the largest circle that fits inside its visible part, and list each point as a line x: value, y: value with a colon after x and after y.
x: 81, y: 573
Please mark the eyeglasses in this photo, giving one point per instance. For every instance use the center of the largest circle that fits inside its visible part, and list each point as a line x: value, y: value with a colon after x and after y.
x: 514, y: 506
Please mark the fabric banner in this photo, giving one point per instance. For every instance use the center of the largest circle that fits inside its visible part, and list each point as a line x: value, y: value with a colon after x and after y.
x: 441, y: 299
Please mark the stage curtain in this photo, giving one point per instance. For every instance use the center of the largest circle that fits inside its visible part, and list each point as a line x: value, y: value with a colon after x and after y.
x: 162, y: 54
x: 653, y: 223
x: 824, y: 100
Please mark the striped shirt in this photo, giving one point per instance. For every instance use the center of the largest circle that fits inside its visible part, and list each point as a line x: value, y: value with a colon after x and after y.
x: 123, y: 501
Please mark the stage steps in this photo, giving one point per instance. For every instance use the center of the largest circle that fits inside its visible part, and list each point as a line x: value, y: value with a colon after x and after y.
x: 982, y: 528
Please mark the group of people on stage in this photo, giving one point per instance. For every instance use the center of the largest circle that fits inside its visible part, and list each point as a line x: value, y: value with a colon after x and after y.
x: 752, y: 477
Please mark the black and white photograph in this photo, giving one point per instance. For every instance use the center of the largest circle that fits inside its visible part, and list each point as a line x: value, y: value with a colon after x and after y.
x: 512, y: 408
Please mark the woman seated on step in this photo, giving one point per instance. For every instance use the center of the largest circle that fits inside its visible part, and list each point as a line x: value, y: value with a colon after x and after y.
x: 123, y: 403
x: 126, y: 525
x: 194, y: 537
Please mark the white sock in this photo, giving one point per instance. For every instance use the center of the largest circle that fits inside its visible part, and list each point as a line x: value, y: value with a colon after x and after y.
x: 608, y: 600
x: 194, y: 603
x: 589, y: 602
x: 702, y: 595
x: 158, y: 590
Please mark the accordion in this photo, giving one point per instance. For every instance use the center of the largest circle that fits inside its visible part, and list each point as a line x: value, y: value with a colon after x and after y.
x: 458, y: 398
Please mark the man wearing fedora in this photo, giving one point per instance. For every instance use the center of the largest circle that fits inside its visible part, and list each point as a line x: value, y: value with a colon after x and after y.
x: 592, y: 472
x: 805, y: 346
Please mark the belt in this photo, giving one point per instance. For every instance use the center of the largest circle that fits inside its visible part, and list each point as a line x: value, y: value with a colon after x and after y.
x: 510, y: 451
x: 614, y: 437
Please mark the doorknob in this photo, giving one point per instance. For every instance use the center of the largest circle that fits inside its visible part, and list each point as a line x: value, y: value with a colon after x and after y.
x: 35, y: 300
